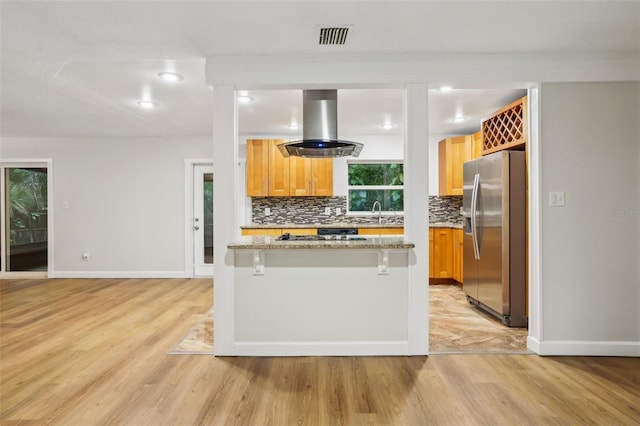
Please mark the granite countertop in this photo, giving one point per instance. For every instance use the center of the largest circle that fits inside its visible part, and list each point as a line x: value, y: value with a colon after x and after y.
x: 260, y: 242
x: 345, y: 225
x: 446, y: 225
x: 319, y: 225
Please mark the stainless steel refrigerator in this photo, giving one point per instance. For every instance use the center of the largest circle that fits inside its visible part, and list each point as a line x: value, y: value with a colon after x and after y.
x: 494, y: 210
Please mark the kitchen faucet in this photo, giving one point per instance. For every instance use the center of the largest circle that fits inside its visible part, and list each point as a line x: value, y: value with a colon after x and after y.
x: 373, y: 210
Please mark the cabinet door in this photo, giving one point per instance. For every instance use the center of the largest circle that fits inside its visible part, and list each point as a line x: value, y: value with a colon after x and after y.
x: 477, y: 141
x: 300, y: 231
x: 262, y: 231
x: 443, y: 253
x: 257, y: 168
x: 458, y: 237
x: 380, y: 231
x: 311, y: 176
x: 300, y: 176
x: 451, y: 156
x: 278, y: 171
x: 432, y: 254
x: 322, y: 177
x: 455, y: 158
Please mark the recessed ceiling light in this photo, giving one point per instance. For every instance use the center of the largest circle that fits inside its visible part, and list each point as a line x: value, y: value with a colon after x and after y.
x: 245, y: 99
x: 387, y: 126
x: 293, y: 125
x: 170, y: 76
x: 458, y: 119
x: 147, y: 104
x: 446, y: 89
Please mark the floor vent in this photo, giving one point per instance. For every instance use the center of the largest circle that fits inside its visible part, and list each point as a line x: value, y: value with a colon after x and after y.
x: 333, y: 36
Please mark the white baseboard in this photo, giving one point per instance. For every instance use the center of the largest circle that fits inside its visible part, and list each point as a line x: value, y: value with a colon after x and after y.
x: 583, y: 348
x: 319, y: 349
x: 119, y: 274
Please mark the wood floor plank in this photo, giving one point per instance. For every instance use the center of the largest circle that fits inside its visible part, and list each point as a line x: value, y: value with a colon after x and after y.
x: 94, y: 352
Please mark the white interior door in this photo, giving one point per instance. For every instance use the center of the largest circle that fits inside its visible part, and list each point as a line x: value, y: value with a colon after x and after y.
x: 203, y: 219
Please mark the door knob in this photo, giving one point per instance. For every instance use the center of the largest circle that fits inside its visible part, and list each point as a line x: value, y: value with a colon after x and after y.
x: 196, y: 227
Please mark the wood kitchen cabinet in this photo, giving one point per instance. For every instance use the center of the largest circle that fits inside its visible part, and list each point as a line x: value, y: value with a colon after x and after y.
x: 310, y: 176
x: 380, y: 231
x: 270, y: 174
x: 476, y: 141
x: 451, y: 156
x: 267, y: 169
x: 445, y: 255
x: 432, y: 253
x: 257, y: 168
x: 458, y: 239
x: 452, y: 153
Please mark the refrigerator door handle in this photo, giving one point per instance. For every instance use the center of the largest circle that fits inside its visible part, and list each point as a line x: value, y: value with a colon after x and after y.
x: 474, y: 206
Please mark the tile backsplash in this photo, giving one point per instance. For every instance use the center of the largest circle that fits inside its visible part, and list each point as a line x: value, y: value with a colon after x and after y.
x: 445, y: 209
x: 311, y: 210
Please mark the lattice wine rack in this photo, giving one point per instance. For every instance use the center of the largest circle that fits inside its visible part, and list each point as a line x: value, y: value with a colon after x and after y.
x: 506, y: 128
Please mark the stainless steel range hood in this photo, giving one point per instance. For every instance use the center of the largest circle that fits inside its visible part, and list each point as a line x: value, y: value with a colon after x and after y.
x: 320, y: 129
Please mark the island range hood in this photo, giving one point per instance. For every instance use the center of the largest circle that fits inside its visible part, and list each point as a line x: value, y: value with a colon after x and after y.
x: 320, y: 129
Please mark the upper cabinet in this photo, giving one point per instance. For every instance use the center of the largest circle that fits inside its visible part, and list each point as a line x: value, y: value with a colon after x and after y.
x: 475, y: 147
x: 507, y: 128
x: 311, y: 176
x: 267, y: 169
x: 452, y: 153
x: 269, y: 174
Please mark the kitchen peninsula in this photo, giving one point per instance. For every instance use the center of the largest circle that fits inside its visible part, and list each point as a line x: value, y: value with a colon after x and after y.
x: 329, y: 297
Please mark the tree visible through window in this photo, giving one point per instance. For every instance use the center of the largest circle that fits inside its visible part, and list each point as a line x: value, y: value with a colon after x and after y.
x: 375, y: 181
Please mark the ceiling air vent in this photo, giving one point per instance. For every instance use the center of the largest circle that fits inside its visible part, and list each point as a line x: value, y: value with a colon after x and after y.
x: 333, y: 36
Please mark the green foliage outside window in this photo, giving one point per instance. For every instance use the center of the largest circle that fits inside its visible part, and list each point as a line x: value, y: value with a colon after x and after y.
x: 371, y: 182
x: 27, y: 205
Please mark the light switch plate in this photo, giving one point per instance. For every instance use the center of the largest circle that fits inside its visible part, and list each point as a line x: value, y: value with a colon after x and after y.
x: 327, y: 211
x: 267, y: 211
x: 338, y: 211
x: 556, y: 199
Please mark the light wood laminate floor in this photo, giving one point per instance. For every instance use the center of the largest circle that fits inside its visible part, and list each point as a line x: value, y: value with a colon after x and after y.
x: 93, y: 352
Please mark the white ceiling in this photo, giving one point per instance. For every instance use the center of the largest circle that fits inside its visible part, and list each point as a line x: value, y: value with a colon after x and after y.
x: 77, y: 68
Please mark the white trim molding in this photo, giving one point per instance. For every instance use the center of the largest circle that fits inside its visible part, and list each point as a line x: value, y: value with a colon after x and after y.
x: 584, y: 348
x: 321, y: 348
x: 119, y: 274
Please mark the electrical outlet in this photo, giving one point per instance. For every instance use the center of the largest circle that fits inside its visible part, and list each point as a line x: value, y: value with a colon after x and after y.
x: 556, y: 199
x: 338, y: 211
x: 327, y: 211
x: 267, y: 211
x: 86, y: 256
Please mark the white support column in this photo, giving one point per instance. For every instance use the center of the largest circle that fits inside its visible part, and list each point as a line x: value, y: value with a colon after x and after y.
x: 416, y: 190
x: 225, y: 218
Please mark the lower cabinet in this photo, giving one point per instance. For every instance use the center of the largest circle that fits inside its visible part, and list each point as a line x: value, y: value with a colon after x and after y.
x: 380, y: 231
x: 445, y: 254
x: 432, y: 254
x: 458, y: 238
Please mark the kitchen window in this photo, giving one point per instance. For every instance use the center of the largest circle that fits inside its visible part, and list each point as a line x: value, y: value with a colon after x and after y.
x: 371, y: 181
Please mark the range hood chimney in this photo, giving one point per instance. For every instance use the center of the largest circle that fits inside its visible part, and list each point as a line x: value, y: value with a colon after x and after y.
x: 320, y: 129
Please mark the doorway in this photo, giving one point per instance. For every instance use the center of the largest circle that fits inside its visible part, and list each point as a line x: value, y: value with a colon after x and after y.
x: 202, y: 220
x: 25, y: 222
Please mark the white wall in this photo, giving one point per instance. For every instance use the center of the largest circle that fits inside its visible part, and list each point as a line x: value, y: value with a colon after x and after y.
x: 590, y: 148
x: 126, y: 202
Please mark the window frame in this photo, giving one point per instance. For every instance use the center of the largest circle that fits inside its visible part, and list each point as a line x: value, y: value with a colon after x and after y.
x: 350, y: 212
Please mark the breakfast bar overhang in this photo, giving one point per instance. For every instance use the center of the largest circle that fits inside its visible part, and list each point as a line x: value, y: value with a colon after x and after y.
x: 338, y: 297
